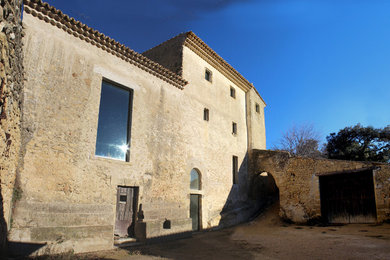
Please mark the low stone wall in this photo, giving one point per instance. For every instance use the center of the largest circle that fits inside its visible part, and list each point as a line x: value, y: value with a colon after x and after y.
x: 11, y: 83
x: 298, y: 181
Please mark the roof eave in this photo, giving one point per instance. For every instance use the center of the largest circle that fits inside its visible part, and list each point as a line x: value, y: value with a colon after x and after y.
x: 55, y: 17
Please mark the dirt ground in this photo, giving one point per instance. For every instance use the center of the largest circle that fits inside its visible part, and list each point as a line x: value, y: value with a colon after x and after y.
x: 268, y: 238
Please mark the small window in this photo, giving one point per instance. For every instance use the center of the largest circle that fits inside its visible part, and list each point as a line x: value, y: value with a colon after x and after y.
x: 122, y: 198
x: 257, y: 108
x: 195, y: 180
x: 206, y: 114
x: 232, y: 92
x: 235, y: 169
x: 234, y: 128
x: 208, y: 75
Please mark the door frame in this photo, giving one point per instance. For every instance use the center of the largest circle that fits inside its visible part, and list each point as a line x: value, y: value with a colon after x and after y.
x: 323, y: 179
x: 133, y: 220
x: 200, y: 226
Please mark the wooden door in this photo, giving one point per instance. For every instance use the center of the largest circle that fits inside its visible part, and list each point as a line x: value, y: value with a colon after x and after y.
x: 194, y: 211
x: 126, y: 209
x: 348, y: 198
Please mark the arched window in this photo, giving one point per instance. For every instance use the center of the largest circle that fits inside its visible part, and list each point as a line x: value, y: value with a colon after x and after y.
x: 195, y: 180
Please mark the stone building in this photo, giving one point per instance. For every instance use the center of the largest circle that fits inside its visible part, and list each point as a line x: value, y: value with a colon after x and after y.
x: 117, y: 143
x: 330, y: 191
x: 100, y: 142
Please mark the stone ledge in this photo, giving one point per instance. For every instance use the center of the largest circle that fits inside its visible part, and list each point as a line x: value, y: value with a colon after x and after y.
x: 65, y: 208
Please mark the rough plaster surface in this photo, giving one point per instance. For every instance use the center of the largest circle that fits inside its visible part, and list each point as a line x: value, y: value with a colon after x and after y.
x: 298, y: 183
x: 169, y: 54
x: 255, y: 121
x: 69, y: 194
x: 11, y: 84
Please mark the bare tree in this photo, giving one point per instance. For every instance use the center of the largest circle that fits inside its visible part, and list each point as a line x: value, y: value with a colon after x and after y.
x: 301, y: 140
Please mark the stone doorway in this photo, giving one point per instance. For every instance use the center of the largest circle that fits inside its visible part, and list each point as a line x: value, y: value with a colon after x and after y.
x: 266, y: 188
x: 195, y: 201
x: 126, y: 211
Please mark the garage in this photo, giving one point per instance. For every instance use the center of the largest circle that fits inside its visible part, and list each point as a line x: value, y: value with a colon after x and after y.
x: 348, y: 197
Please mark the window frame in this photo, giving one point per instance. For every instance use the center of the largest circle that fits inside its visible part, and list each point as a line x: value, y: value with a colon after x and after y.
x: 199, y: 189
x: 257, y: 108
x: 206, y: 114
x: 232, y: 92
x: 235, y: 169
x: 234, y: 128
x: 129, y: 117
x: 210, y: 75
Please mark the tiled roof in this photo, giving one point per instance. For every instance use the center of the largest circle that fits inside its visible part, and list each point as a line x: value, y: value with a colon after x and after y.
x: 193, y: 42
x: 203, y: 50
x: 55, y: 17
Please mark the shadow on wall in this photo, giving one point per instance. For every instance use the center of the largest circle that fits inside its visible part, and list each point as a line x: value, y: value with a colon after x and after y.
x: 8, y: 248
x: 22, y: 250
x: 3, y: 228
x: 253, y: 192
x: 264, y: 188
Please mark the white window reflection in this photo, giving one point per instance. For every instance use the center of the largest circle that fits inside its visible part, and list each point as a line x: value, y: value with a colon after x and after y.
x: 113, y: 138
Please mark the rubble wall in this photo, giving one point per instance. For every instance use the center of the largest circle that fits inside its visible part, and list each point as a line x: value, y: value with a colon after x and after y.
x: 298, y: 181
x: 11, y: 85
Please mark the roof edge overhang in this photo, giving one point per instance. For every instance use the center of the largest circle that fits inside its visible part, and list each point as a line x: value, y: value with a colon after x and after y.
x: 194, y: 43
x: 55, y: 17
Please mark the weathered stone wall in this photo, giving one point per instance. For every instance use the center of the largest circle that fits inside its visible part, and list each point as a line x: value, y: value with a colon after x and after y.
x: 224, y: 109
x: 255, y: 120
x: 298, y: 182
x: 169, y: 54
x: 69, y: 194
x: 11, y: 85
x: 220, y: 142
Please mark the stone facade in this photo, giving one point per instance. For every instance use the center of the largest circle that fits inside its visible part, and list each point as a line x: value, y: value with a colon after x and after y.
x: 69, y: 193
x: 65, y: 195
x: 298, y: 181
x: 11, y: 85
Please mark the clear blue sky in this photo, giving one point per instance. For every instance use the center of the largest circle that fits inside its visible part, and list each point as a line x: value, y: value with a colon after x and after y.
x: 320, y: 62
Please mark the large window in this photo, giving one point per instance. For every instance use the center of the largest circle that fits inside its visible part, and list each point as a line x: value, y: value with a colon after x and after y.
x: 113, y: 134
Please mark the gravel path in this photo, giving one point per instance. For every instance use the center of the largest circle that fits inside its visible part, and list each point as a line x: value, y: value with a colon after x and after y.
x: 268, y: 238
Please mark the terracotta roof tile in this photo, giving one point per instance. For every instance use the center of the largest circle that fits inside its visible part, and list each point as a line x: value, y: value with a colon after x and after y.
x: 193, y: 42
x: 55, y: 17
x: 201, y: 48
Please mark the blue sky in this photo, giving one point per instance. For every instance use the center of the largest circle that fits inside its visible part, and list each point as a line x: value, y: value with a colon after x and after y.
x: 319, y: 62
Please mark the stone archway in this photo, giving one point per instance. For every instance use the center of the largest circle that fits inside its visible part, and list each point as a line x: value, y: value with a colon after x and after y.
x: 268, y: 189
x: 265, y: 189
x: 271, y: 188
